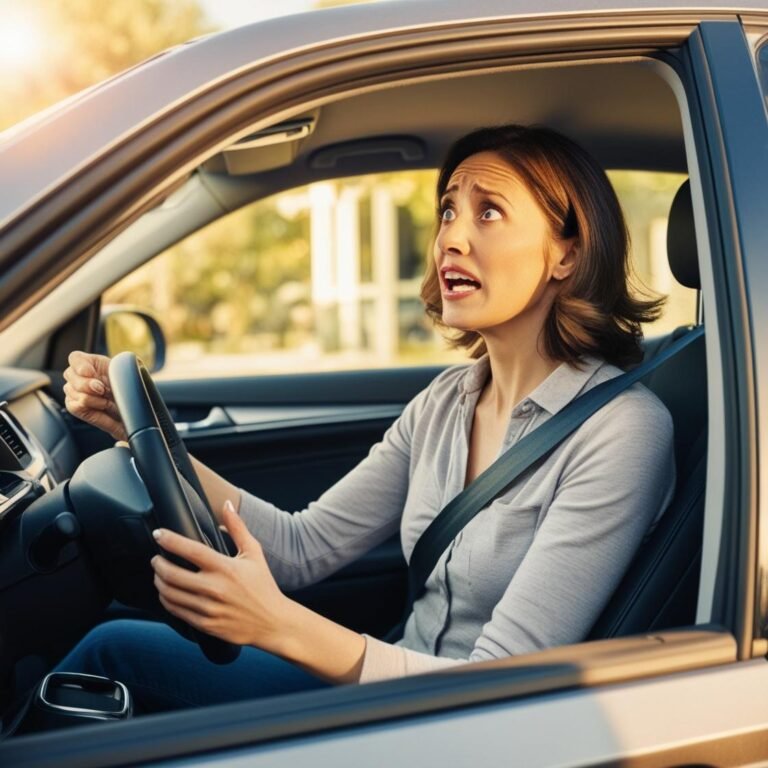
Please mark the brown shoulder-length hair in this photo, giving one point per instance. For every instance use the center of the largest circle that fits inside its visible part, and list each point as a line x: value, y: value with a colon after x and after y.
x: 595, y: 311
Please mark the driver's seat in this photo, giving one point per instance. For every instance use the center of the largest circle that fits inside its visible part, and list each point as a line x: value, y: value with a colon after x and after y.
x: 660, y: 589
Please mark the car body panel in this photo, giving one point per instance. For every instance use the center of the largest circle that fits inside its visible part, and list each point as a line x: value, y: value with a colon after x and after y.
x: 721, y: 712
x: 744, y: 123
x: 512, y: 688
x: 734, y: 126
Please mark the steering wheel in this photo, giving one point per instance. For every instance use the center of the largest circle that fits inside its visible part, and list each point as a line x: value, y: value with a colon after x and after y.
x: 162, y: 461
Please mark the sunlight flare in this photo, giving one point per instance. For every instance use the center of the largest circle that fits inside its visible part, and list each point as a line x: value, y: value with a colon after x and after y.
x: 21, y: 42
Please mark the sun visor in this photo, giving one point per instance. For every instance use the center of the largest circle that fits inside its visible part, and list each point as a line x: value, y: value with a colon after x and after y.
x: 264, y: 150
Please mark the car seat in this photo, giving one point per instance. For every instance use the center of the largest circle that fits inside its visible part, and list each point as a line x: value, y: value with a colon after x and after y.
x: 660, y: 589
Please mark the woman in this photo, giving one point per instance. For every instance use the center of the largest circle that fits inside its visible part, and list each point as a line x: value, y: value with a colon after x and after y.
x: 530, y: 269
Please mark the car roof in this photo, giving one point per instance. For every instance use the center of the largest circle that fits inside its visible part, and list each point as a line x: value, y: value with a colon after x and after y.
x: 89, y: 123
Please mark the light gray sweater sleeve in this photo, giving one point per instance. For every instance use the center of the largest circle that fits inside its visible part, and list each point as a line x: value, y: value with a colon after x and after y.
x: 614, y: 483
x: 360, y: 511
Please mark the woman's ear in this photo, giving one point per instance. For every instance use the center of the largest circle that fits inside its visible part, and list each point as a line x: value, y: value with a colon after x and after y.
x: 565, y: 258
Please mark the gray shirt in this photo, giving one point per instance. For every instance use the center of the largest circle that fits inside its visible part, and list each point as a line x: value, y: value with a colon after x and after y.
x: 534, y: 568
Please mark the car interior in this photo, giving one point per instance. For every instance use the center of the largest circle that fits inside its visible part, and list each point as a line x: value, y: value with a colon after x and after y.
x: 76, y: 517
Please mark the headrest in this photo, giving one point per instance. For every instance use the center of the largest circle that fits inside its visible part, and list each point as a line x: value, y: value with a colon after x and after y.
x: 681, y: 239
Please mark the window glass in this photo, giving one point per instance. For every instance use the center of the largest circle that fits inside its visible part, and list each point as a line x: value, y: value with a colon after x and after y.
x: 646, y: 198
x: 762, y: 66
x: 327, y: 277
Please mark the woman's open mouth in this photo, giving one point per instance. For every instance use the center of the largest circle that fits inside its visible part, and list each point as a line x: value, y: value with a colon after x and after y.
x: 457, y: 283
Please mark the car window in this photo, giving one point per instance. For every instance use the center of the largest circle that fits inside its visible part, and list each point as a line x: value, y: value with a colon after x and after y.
x: 646, y: 198
x: 327, y: 277
x: 762, y: 66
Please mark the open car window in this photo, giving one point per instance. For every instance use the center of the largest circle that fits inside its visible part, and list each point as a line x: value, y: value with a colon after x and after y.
x: 327, y: 277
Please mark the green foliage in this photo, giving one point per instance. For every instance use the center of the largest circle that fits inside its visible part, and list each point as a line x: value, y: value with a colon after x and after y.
x: 227, y: 280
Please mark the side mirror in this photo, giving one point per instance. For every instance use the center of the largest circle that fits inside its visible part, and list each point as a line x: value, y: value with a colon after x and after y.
x: 124, y: 328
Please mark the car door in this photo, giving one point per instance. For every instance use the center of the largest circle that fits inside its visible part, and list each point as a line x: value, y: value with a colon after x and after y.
x: 724, y: 704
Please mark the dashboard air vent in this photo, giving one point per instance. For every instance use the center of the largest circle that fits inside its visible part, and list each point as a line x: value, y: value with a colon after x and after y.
x: 13, y: 442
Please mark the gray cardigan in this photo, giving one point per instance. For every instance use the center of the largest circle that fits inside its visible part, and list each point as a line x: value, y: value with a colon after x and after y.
x: 534, y: 568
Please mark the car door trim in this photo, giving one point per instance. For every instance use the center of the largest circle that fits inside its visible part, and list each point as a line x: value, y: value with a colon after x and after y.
x: 375, y: 386
x: 250, y: 723
x: 243, y: 419
x: 721, y: 61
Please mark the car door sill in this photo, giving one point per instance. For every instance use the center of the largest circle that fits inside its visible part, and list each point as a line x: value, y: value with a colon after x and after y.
x: 172, y: 735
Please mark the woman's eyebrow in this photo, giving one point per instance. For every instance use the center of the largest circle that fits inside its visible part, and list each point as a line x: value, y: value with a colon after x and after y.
x: 448, y: 194
x: 485, y: 191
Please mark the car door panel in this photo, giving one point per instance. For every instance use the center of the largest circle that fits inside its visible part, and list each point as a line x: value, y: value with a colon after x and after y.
x: 591, y: 705
x: 385, y: 385
x: 290, y: 467
x: 287, y: 439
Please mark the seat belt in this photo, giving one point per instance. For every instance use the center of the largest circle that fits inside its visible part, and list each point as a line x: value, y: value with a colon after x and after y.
x: 510, y: 465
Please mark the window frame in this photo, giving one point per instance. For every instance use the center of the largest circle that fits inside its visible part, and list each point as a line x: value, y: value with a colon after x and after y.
x: 732, y: 126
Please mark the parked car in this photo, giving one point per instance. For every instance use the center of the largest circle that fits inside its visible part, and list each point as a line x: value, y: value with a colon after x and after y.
x: 675, y: 671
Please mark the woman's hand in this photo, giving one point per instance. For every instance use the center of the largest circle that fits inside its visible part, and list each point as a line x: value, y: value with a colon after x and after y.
x: 233, y: 598
x: 237, y: 600
x: 88, y: 395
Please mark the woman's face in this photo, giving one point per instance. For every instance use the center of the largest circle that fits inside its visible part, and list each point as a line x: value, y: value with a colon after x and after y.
x: 495, y: 256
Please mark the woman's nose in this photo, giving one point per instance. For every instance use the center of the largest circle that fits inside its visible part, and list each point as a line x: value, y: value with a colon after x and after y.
x: 453, y: 236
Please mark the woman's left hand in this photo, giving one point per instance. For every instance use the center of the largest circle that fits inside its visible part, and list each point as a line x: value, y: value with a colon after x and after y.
x: 233, y: 598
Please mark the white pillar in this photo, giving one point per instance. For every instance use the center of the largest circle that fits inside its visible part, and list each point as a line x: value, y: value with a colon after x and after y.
x: 385, y: 271
x: 348, y: 268
x: 322, y: 198
x: 322, y: 203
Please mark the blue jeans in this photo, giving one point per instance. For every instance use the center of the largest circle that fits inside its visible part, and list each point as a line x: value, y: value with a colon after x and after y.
x: 163, y: 670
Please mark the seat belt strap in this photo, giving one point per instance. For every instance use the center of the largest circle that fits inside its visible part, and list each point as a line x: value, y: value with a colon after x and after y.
x: 509, y: 466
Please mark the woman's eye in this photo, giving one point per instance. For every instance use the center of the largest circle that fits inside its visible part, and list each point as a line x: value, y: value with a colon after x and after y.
x: 490, y: 214
x: 448, y: 214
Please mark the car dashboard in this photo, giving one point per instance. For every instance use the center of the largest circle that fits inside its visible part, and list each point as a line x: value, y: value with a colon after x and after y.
x: 49, y: 596
x: 37, y: 450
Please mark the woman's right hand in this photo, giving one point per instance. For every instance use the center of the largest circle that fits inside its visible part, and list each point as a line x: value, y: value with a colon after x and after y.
x: 88, y: 395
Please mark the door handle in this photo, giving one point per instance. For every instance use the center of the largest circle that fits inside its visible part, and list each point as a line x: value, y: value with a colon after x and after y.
x: 216, y: 419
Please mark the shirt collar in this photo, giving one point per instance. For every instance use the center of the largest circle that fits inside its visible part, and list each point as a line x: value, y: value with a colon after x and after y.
x: 476, y: 376
x: 564, y: 384
x: 553, y: 394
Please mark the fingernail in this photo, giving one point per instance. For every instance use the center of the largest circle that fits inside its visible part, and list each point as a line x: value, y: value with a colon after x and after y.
x: 229, y: 506
x: 97, y: 387
x: 157, y: 533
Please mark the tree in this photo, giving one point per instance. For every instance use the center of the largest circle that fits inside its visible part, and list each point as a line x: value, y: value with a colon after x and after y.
x: 86, y: 41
